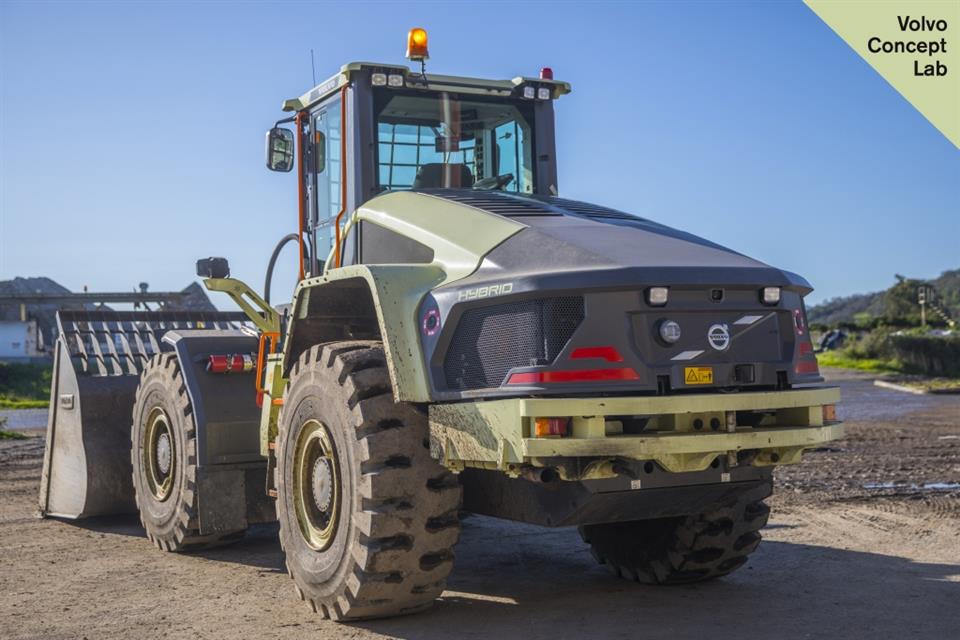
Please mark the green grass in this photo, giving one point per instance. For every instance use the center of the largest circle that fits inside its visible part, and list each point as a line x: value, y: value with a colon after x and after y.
x: 11, y: 435
x: 839, y: 360
x: 24, y: 386
x: 941, y: 385
x: 20, y: 403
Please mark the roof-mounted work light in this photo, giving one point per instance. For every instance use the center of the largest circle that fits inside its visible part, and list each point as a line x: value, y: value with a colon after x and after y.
x: 417, y: 44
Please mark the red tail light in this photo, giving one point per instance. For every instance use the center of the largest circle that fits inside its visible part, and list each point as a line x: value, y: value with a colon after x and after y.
x: 546, y: 427
x: 807, y: 367
x: 233, y: 363
x: 576, y: 375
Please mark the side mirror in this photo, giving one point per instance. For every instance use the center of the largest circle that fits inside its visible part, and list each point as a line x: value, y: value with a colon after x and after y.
x: 213, y: 268
x: 279, y: 149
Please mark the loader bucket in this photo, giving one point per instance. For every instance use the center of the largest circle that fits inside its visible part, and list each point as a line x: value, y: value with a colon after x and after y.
x: 97, y: 363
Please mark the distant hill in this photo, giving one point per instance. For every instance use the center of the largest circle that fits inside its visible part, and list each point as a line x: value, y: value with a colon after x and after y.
x: 899, y: 301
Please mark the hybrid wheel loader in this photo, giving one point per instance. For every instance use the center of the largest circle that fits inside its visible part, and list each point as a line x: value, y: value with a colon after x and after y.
x: 462, y: 338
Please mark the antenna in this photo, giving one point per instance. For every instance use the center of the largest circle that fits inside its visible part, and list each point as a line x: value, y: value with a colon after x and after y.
x: 313, y: 68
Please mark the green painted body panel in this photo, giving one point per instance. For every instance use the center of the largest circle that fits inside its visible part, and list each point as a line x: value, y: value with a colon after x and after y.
x: 459, y: 235
x: 257, y: 309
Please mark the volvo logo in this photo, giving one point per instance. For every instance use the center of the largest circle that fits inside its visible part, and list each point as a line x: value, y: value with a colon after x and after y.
x: 719, y: 337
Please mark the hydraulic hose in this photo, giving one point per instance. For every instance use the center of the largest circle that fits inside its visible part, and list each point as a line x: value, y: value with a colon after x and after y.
x: 273, y: 261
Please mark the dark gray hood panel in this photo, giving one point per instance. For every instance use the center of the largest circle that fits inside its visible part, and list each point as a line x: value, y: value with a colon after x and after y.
x: 581, y: 244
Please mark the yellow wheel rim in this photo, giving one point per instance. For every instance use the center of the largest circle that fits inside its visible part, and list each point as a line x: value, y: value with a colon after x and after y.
x: 159, y: 454
x: 316, y: 485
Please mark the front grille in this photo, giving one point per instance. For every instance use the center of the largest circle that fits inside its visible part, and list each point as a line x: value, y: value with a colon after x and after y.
x: 489, y: 341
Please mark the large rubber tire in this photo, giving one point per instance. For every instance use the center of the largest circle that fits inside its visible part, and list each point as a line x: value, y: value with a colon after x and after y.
x: 170, y: 521
x: 391, y: 547
x: 685, y: 549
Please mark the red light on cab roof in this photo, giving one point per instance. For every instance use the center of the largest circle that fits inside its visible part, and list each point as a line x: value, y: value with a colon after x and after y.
x: 546, y: 73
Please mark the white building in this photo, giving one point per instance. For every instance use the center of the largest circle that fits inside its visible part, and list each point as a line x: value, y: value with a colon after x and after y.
x: 20, y: 340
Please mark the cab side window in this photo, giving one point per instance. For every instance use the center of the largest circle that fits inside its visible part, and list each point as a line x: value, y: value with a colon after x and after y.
x: 324, y: 181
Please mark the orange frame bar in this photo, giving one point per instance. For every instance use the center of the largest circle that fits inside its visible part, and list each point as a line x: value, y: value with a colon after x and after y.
x: 343, y: 171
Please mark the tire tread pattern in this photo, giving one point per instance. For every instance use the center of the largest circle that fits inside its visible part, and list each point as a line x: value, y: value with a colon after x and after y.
x: 686, y: 549
x: 185, y: 534
x: 403, y: 533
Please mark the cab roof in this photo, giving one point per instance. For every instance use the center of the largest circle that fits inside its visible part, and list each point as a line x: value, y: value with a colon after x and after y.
x: 426, y: 82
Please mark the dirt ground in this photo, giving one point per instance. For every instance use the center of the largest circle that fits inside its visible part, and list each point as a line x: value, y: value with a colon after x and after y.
x: 864, y: 542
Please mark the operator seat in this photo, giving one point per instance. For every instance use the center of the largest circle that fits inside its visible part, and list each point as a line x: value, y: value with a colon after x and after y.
x: 431, y: 176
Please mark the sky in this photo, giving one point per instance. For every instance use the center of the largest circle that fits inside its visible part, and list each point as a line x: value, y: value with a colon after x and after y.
x: 131, y: 133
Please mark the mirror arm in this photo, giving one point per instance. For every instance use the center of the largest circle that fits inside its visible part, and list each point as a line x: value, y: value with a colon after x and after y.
x: 267, y: 319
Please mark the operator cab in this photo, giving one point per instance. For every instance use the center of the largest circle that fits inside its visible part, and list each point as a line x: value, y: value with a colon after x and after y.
x: 409, y: 130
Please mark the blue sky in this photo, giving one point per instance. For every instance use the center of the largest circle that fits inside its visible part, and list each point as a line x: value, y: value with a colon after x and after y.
x: 131, y: 134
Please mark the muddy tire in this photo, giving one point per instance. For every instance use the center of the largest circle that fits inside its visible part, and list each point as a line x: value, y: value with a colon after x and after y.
x: 163, y: 453
x: 685, y: 549
x: 368, y: 519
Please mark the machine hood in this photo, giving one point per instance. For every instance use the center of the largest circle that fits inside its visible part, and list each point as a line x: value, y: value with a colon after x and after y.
x: 580, y: 244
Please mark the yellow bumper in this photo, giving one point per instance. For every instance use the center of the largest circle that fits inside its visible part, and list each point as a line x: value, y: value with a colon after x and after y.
x: 681, y: 433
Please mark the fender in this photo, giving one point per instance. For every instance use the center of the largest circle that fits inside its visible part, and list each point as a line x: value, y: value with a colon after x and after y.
x: 367, y: 302
x: 230, y: 469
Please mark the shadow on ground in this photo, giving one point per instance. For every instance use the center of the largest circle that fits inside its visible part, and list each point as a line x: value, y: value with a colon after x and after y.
x: 518, y: 581
x: 514, y: 580
x: 259, y: 548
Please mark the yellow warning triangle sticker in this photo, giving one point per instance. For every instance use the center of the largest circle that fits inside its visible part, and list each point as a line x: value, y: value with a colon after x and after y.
x: 914, y: 45
x: 692, y: 376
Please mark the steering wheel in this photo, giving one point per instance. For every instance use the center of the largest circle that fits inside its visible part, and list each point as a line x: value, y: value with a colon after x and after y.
x: 494, y: 183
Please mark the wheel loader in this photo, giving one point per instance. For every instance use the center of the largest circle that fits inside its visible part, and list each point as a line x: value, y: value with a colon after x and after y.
x: 462, y: 339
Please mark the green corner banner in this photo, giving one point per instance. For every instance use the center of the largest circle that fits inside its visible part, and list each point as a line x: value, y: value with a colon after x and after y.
x: 914, y: 45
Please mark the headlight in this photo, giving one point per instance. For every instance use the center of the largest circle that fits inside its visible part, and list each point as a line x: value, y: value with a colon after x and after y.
x: 669, y: 331
x: 770, y: 295
x: 657, y: 296
x: 378, y: 79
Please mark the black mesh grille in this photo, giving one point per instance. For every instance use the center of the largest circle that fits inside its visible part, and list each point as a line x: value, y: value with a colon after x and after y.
x: 586, y: 209
x: 500, y: 203
x: 489, y: 341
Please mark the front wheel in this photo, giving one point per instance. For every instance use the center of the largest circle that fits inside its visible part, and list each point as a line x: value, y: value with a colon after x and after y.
x: 368, y: 519
x: 685, y: 549
x: 164, y: 460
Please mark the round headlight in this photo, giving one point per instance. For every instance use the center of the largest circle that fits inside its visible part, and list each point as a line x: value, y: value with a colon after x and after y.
x: 669, y: 331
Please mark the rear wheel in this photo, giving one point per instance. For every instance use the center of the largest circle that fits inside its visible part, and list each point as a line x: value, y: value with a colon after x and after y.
x: 164, y: 458
x: 368, y: 519
x: 686, y: 549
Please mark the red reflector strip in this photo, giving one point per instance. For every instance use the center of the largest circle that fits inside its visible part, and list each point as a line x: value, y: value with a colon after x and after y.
x: 610, y: 354
x: 807, y: 366
x: 577, y: 375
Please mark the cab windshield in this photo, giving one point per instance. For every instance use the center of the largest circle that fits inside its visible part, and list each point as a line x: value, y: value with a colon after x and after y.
x: 444, y: 140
